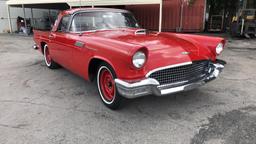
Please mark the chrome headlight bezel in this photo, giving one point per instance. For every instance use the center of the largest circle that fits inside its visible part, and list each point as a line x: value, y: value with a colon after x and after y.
x: 139, y: 59
x: 219, y: 48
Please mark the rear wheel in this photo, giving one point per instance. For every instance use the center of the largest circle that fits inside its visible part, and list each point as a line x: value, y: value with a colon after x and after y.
x: 48, y: 59
x: 107, y: 88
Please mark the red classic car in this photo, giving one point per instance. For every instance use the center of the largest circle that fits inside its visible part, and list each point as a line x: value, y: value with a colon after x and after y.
x: 108, y: 45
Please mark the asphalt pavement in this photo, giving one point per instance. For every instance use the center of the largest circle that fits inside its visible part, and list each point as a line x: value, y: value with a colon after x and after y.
x: 43, y: 106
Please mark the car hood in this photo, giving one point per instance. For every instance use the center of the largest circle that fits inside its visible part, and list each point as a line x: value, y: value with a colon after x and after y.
x: 163, y: 48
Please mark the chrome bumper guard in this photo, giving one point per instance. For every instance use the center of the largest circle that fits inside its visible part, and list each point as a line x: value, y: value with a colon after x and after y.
x: 151, y: 86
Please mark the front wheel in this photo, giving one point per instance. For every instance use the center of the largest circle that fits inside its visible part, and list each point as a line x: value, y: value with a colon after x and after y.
x: 107, y: 88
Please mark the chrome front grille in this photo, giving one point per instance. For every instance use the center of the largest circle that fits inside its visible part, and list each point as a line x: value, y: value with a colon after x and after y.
x: 182, y: 74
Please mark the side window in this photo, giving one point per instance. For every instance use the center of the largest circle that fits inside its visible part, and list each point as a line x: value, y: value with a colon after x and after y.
x: 84, y: 22
x: 63, y: 26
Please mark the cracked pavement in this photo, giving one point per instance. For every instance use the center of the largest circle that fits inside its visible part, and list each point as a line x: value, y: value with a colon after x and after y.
x: 43, y: 106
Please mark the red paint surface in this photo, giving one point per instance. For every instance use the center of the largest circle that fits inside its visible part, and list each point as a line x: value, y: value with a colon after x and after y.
x: 116, y: 47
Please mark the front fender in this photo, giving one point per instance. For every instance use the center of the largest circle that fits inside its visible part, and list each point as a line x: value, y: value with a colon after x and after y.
x: 206, y: 41
x: 118, y: 55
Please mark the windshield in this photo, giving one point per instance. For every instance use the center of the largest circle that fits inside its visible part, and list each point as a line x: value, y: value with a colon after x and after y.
x: 87, y: 21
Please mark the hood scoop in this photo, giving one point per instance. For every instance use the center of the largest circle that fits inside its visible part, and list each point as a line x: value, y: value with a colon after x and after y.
x: 141, y: 32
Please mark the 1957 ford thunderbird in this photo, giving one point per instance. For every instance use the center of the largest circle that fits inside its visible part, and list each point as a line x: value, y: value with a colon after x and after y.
x: 108, y: 45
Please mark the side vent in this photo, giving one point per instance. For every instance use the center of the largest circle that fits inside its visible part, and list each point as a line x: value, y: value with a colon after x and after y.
x: 141, y: 32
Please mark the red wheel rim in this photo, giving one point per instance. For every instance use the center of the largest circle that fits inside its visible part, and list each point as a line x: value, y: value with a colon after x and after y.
x: 47, y: 56
x: 107, y: 85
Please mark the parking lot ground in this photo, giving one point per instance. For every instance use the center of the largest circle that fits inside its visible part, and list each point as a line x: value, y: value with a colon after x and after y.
x: 43, y: 106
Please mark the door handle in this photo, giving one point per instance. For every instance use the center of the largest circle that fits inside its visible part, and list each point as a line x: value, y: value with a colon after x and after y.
x: 51, y: 36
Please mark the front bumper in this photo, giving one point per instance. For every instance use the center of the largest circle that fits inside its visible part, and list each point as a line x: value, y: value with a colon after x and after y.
x: 151, y: 86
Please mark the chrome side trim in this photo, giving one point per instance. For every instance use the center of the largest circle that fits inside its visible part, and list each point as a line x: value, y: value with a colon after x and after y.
x: 166, y: 67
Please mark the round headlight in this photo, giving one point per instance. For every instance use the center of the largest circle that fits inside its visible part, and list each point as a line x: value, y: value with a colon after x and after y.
x: 139, y: 59
x: 219, y: 48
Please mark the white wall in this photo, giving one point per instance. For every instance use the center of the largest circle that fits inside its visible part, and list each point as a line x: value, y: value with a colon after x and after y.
x: 15, y: 12
x: 3, y: 16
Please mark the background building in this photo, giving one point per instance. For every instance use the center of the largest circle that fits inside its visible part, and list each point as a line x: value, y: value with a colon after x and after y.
x: 15, y: 12
x: 177, y: 15
x: 220, y: 13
